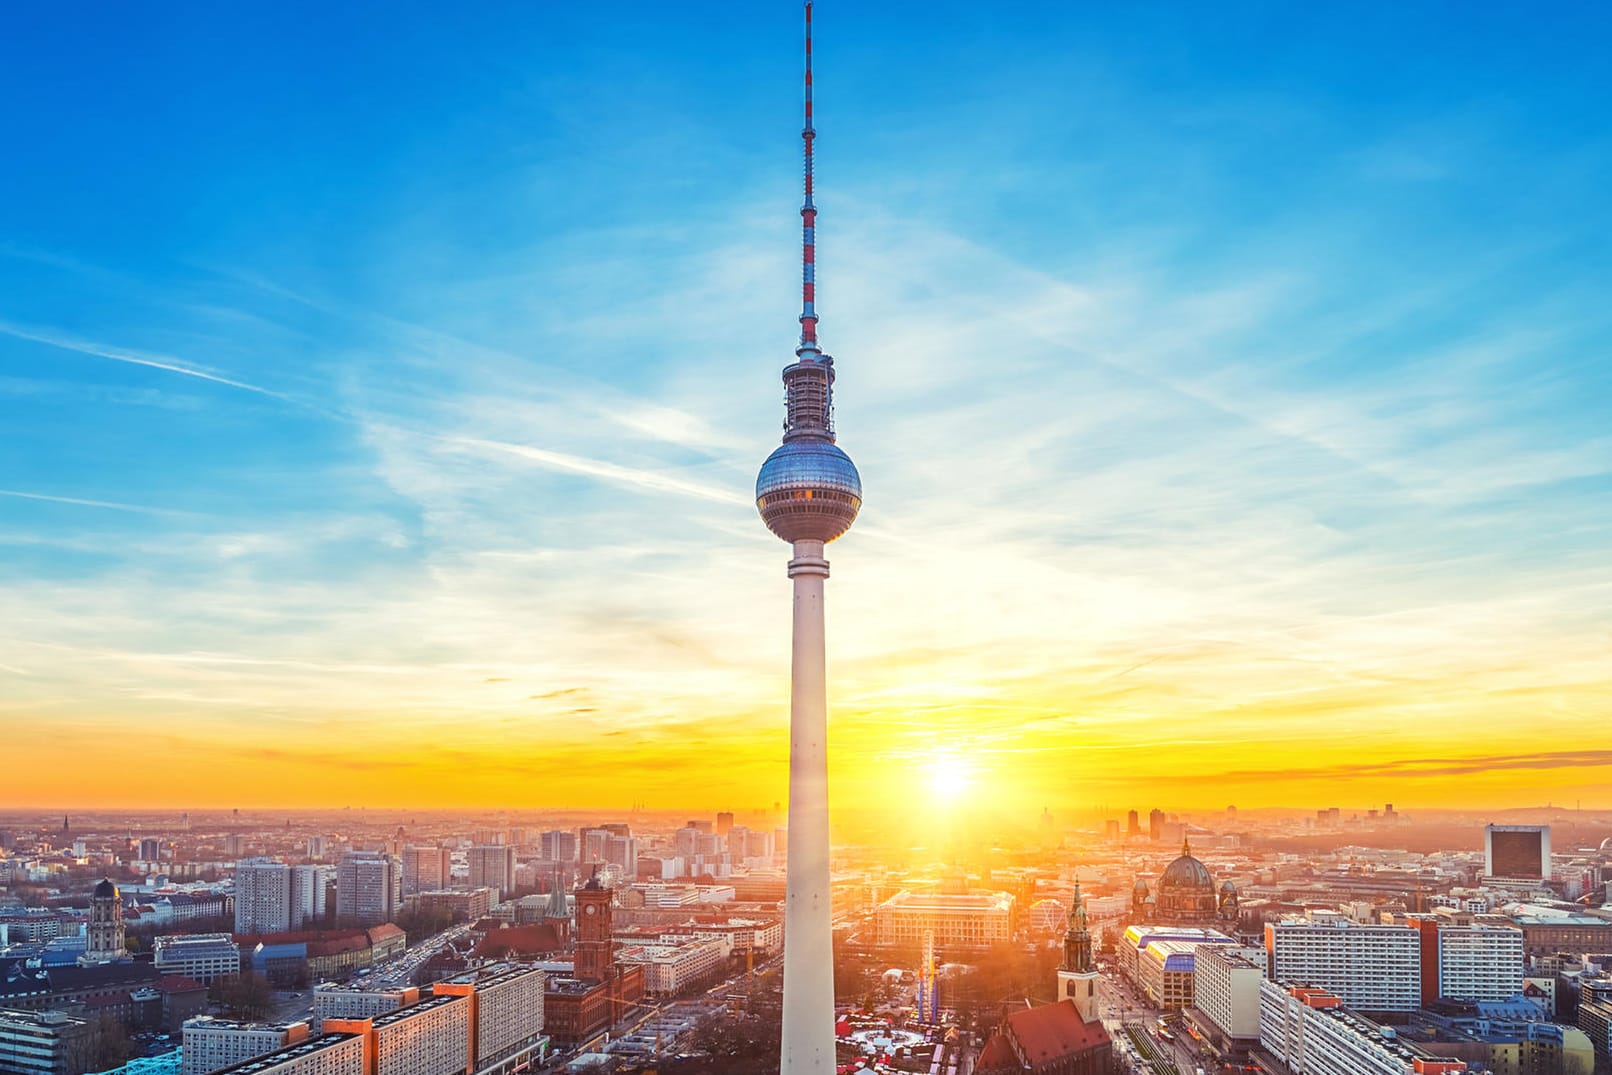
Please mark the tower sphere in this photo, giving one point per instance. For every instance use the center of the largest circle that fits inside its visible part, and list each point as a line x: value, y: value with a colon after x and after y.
x: 808, y: 490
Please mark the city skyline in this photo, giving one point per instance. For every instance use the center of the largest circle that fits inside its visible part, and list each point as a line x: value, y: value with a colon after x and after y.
x: 395, y: 428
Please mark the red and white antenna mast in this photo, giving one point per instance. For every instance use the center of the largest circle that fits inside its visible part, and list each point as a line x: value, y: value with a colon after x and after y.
x: 808, y: 349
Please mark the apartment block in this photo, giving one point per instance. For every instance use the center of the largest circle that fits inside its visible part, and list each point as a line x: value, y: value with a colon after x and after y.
x: 1371, y: 968
x: 214, y: 1044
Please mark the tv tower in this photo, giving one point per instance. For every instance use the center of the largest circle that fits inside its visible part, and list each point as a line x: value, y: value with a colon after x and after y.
x: 808, y: 493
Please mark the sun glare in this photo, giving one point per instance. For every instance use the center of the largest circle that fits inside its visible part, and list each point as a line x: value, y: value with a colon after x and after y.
x: 949, y: 778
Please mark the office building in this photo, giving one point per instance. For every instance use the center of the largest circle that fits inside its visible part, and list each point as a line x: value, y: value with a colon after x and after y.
x: 150, y: 849
x: 493, y: 866
x: 1517, y: 852
x: 318, y: 848
x: 201, y: 956
x: 969, y: 921
x: 1136, y: 941
x: 426, y: 869
x: 369, y: 888
x: 214, y: 1044
x: 558, y: 845
x: 1370, y: 968
x: 41, y: 1042
x: 1155, y: 824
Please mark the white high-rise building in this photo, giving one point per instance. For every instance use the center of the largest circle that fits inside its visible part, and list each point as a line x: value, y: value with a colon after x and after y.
x: 1312, y: 1033
x: 214, y: 1044
x: 1479, y: 962
x: 808, y: 493
x: 272, y: 897
x: 1226, y: 983
x: 1371, y: 968
x: 262, y: 896
x: 308, y: 895
x: 369, y: 888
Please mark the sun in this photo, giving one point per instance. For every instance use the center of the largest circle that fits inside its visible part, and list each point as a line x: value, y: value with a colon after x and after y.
x: 949, y: 777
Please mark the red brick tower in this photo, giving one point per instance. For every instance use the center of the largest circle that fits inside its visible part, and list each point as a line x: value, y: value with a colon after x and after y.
x: 595, y: 952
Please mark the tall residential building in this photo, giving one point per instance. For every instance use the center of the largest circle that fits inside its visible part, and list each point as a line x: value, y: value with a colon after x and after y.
x: 506, y: 1015
x: 1471, y: 962
x: 426, y: 869
x: 150, y: 849
x: 1312, y: 1033
x: 724, y: 822
x: 308, y: 896
x: 318, y: 847
x: 103, y: 940
x: 332, y: 1001
x: 1370, y: 968
x: 558, y: 845
x: 328, y: 1054
x: 214, y: 1044
x: 493, y: 866
x: 272, y: 897
x: 369, y: 888
x: 622, y: 851
x: 592, y: 844
x: 432, y: 1037
x: 262, y: 896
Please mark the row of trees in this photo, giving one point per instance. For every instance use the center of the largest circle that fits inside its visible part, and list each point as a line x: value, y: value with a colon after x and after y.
x: 243, y: 996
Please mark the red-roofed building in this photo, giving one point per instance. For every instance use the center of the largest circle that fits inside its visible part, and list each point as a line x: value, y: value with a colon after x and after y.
x: 1050, y: 1039
x: 523, y: 942
x: 181, y: 998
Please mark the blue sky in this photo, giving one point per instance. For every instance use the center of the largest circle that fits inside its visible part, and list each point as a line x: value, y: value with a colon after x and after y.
x: 400, y: 368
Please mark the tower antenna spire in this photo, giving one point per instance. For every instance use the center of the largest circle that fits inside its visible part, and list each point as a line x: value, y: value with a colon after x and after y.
x: 808, y: 350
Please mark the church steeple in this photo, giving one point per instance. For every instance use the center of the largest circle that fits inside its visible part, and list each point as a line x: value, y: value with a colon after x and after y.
x: 1077, y: 954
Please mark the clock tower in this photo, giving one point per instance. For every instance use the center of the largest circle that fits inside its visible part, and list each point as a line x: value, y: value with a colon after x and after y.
x: 595, y: 951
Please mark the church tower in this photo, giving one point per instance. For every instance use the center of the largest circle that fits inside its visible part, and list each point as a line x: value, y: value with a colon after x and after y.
x: 595, y: 951
x: 103, y: 940
x: 1077, y: 978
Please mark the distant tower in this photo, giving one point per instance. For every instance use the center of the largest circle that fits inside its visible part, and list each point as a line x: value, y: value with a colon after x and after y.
x: 595, y: 951
x: 104, y: 937
x: 808, y: 493
x: 1077, y: 978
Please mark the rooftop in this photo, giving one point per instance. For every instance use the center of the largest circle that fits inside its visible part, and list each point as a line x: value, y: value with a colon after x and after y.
x: 290, y: 1052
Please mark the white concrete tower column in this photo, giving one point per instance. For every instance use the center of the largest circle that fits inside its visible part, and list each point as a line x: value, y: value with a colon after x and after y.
x: 808, y: 1041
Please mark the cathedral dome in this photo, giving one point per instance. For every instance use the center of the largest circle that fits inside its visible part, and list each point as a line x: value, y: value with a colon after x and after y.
x: 1187, y: 872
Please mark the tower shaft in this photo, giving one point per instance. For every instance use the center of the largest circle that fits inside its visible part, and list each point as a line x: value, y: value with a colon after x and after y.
x: 808, y: 1040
